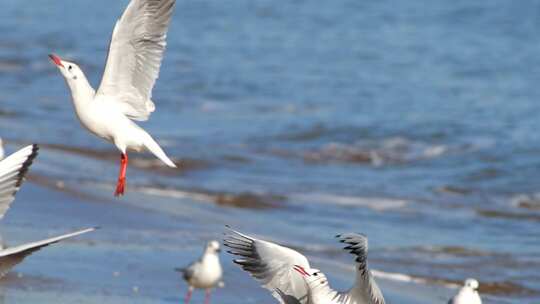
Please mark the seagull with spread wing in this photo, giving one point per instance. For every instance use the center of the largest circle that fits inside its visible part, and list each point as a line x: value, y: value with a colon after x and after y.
x: 135, y: 53
x: 12, y: 171
x: 288, y: 275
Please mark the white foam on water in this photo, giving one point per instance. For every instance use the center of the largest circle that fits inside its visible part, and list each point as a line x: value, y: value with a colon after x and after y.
x: 375, y: 203
x: 401, y: 277
x: 172, y: 193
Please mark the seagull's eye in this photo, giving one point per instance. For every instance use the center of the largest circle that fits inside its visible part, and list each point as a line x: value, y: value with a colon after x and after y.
x: 315, y: 273
x: 69, y: 67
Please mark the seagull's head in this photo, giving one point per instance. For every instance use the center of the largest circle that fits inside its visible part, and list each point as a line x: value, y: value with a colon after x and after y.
x: 313, y: 277
x: 472, y: 284
x: 213, y: 247
x: 69, y: 70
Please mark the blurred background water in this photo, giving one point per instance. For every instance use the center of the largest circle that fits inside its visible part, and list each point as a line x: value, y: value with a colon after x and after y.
x: 415, y: 122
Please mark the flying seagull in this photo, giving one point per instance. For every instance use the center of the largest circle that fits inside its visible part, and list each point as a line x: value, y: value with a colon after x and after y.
x: 12, y: 172
x: 135, y: 53
x: 277, y: 268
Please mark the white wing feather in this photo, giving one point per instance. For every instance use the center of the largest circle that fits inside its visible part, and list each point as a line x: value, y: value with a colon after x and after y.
x: 12, y: 172
x: 135, y: 53
x: 270, y: 264
x: 12, y: 256
x: 365, y: 289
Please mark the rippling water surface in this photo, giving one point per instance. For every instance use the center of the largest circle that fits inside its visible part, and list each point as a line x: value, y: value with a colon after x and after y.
x: 415, y: 122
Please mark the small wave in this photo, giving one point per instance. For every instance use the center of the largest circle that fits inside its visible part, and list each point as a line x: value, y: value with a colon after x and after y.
x: 508, y: 215
x: 247, y: 200
x: 150, y: 164
x: 377, y: 152
x: 452, y: 250
x: 389, y: 151
x: 526, y: 201
x: 494, y: 288
x: 375, y: 203
x: 450, y: 189
x: 401, y: 277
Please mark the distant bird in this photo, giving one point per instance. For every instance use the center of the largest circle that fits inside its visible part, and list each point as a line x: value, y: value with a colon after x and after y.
x: 468, y: 294
x: 12, y: 172
x: 135, y: 52
x: 205, y: 273
x: 276, y: 268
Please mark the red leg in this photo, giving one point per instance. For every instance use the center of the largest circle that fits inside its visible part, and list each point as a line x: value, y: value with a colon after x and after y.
x: 121, y: 185
x: 207, y: 296
x: 188, y: 296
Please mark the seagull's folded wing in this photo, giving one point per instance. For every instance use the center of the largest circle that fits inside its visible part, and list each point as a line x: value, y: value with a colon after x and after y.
x: 12, y: 256
x: 12, y: 171
x: 271, y: 264
x: 135, y: 53
x: 365, y: 289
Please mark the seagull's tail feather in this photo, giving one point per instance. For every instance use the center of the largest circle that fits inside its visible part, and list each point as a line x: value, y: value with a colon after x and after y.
x: 153, y: 147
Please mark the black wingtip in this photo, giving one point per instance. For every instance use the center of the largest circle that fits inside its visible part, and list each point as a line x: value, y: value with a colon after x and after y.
x: 26, y: 165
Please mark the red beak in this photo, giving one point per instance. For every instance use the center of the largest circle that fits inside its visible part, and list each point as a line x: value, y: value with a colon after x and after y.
x: 56, y: 60
x: 301, y: 270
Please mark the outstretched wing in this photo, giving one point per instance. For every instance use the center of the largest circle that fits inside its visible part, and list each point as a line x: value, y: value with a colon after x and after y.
x: 365, y: 289
x: 135, y: 53
x: 270, y: 264
x: 12, y: 256
x: 12, y: 172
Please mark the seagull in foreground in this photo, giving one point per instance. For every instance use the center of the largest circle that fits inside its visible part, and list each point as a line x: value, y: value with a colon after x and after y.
x: 276, y: 268
x: 12, y: 172
x: 205, y: 273
x: 468, y: 294
x: 135, y: 52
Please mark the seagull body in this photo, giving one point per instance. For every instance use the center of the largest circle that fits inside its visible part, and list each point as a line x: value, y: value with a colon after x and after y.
x: 12, y: 172
x: 288, y: 275
x: 135, y: 52
x: 468, y: 294
x: 205, y: 273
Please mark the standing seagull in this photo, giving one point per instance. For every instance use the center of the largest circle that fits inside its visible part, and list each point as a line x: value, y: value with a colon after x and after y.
x: 12, y: 172
x: 135, y: 53
x: 276, y: 267
x: 205, y: 273
x: 468, y: 294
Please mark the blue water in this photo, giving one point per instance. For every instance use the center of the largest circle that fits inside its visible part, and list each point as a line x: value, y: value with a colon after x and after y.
x: 414, y: 122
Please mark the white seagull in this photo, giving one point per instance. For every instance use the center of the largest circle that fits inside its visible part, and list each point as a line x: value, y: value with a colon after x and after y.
x: 276, y: 267
x: 135, y: 53
x: 468, y: 294
x: 205, y: 273
x: 12, y: 172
